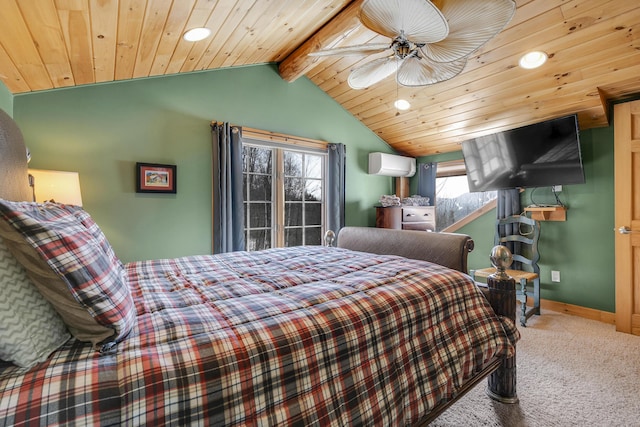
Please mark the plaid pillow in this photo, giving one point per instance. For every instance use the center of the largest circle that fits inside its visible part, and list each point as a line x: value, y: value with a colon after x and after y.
x: 75, y: 248
x: 91, y: 226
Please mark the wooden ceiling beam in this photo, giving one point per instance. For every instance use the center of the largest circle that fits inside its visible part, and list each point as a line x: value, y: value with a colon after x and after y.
x: 299, y: 62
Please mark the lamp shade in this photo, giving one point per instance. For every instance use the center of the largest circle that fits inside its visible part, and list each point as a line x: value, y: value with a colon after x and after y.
x: 58, y: 186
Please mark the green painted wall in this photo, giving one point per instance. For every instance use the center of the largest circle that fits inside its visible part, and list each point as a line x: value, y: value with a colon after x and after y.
x: 582, y: 248
x: 6, y: 100
x: 102, y: 130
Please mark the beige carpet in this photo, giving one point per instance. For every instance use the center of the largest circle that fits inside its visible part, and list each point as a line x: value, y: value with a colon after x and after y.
x: 571, y: 372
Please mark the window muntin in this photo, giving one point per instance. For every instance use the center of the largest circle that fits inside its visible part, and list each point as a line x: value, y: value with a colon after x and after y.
x: 303, y: 198
x: 257, y: 195
x: 284, y: 196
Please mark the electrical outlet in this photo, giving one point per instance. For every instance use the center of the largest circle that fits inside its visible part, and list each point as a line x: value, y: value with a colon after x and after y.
x: 557, y: 188
x: 555, y: 276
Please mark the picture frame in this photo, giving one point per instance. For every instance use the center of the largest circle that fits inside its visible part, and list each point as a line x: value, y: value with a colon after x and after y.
x: 156, y: 178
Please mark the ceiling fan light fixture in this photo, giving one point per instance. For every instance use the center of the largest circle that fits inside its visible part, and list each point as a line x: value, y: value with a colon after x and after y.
x: 402, y: 104
x: 532, y: 60
x: 430, y: 42
x: 197, y: 34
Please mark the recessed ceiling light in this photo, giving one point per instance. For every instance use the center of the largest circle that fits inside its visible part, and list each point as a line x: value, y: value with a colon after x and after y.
x: 197, y: 34
x: 533, y: 60
x: 402, y: 104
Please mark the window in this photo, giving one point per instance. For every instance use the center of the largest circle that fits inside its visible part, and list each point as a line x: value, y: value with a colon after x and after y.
x: 284, y: 197
x: 454, y: 202
x: 257, y: 172
x: 303, y: 198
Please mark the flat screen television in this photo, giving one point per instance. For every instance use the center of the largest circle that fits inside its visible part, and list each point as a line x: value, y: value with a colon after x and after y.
x: 539, y: 155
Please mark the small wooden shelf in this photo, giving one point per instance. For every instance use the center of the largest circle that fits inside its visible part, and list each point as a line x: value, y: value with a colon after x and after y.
x: 548, y: 213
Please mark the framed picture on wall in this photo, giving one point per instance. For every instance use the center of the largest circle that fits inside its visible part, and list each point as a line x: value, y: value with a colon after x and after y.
x: 155, y: 178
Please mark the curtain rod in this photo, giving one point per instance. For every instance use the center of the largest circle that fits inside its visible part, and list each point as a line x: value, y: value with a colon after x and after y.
x: 265, y: 135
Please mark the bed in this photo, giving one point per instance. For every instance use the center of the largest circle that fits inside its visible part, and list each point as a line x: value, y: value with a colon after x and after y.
x: 362, y: 333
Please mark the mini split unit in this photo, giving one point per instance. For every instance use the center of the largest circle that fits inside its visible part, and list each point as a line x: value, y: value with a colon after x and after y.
x: 391, y: 165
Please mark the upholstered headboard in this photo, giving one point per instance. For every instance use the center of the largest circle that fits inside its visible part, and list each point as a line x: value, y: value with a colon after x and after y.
x: 448, y: 249
x: 14, y: 178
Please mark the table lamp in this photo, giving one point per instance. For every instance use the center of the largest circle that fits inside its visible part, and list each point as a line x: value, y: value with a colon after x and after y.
x: 56, y: 186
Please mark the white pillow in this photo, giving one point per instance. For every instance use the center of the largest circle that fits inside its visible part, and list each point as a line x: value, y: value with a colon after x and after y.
x: 30, y: 329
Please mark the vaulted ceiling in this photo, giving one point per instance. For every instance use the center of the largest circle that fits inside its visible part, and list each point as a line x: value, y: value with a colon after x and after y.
x: 593, y: 48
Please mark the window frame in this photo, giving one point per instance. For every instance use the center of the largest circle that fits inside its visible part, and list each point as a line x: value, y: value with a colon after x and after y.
x: 305, y: 227
x: 280, y: 143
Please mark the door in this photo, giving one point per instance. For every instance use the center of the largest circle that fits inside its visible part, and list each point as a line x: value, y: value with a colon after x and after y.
x: 627, y: 216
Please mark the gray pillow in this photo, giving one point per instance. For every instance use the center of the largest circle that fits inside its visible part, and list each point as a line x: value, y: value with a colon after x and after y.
x: 30, y: 329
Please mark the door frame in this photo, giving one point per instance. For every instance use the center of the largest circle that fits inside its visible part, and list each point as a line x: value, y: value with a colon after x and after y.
x: 627, y: 214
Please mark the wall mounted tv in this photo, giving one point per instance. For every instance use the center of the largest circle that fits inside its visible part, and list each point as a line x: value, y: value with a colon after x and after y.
x: 539, y: 155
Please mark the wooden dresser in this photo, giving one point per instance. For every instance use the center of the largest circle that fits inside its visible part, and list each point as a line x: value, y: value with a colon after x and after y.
x: 406, y: 217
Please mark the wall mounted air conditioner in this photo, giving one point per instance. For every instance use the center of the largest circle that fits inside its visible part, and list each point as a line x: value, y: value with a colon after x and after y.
x: 391, y: 165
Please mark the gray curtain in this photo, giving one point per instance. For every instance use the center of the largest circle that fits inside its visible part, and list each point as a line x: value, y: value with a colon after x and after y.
x: 336, y: 187
x: 427, y: 181
x: 508, y: 203
x: 228, y: 207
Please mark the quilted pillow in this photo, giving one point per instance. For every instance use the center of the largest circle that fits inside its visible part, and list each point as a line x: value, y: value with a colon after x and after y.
x: 77, y: 251
x: 30, y: 329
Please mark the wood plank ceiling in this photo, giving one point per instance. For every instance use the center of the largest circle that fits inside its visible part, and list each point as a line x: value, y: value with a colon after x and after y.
x: 593, y: 47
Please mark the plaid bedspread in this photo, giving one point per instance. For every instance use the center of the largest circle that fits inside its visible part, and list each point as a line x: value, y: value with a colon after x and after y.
x: 300, y: 336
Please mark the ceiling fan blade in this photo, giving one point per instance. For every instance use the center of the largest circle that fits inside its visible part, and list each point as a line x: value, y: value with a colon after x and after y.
x: 416, y: 71
x: 362, y: 49
x: 472, y: 23
x: 417, y: 20
x: 372, y: 72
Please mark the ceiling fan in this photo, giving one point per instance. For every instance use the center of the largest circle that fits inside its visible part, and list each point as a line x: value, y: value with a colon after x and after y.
x: 430, y: 40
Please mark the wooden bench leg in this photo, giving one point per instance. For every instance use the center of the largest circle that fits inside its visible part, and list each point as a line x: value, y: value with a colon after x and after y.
x: 526, y: 312
x: 536, y: 296
x: 523, y: 302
